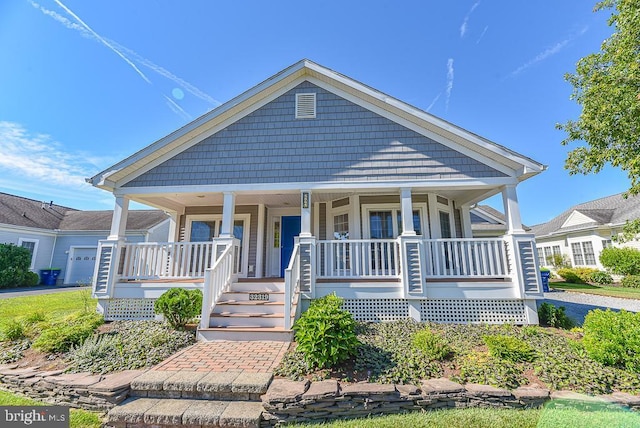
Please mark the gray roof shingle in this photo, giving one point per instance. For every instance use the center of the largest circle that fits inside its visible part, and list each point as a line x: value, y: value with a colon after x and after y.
x: 25, y: 212
x: 614, y: 209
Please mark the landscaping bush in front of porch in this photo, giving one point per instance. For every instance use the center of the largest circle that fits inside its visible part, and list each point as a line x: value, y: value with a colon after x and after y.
x: 556, y: 358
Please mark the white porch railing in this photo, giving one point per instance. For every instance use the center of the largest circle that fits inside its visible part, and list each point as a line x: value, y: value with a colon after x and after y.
x: 153, y: 260
x: 466, y: 258
x: 217, y: 280
x: 358, y: 258
x: 291, y: 285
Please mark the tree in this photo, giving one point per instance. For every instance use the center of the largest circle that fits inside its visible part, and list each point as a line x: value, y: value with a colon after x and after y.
x: 607, y: 85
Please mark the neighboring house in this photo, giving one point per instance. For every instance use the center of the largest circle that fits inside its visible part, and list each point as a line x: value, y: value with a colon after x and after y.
x: 66, y: 238
x: 312, y: 183
x: 584, y: 230
x: 487, y: 222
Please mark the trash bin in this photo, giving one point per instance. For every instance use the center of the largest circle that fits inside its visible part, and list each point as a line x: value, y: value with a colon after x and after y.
x: 49, y: 276
x: 545, y: 275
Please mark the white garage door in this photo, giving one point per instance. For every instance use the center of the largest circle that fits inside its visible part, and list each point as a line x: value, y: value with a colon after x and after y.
x: 83, y: 261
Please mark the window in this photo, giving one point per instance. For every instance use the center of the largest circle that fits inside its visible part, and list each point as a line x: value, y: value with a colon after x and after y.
x: 203, y: 228
x: 556, y: 250
x: 606, y: 243
x: 540, y: 256
x: 547, y: 256
x: 32, y: 246
x: 583, y: 254
x: 341, y: 226
x: 589, y: 256
x: 445, y: 224
x: 382, y: 226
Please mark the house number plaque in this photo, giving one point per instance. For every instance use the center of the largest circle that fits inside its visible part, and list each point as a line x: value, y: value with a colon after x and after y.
x: 305, y: 199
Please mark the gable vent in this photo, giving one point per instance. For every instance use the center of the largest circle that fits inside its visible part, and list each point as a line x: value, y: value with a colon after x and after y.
x: 306, y: 106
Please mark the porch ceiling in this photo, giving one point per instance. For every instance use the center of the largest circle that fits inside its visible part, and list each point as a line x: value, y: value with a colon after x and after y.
x: 178, y: 201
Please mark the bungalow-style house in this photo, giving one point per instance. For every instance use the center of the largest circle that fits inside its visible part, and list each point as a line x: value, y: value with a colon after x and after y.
x: 584, y: 230
x: 313, y: 183
x: 66, y: 238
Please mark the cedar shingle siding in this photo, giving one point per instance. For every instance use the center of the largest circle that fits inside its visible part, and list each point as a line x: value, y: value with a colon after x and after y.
x: 345, y: 142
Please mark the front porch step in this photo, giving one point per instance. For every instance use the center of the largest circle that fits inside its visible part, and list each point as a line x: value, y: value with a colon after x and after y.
x: 246, y: 319
x: 258, y: 287
x: 248, y: 333
x: 154, y: 412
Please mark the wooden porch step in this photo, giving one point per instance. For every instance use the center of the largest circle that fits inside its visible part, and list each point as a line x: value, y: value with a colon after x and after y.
x: 246, y: 315
x: 278, y: 334
x: 249, y: 302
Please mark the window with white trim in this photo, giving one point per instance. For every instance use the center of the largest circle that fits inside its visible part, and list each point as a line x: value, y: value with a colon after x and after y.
x: 32, y: 246
x: 607, y: 243
x: 540, y: 257
x: 583, y: 254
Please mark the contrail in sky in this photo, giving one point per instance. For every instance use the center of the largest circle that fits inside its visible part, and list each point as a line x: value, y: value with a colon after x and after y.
x: 449, y: 81
x: 129, y: 56
x: 103, y: 41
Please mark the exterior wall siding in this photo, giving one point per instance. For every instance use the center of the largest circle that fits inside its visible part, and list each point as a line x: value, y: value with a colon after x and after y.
x: 345, y: 142
x: 44, y: 250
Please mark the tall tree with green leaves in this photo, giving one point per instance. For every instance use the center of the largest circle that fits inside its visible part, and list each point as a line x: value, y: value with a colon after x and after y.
x: 607, y: 86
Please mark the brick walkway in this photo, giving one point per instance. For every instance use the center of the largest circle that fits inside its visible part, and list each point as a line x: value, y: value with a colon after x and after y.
x: 227, y: 356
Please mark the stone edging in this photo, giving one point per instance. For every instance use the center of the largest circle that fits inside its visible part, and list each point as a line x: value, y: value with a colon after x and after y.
x: 289, y: 401
x: 79, y: 390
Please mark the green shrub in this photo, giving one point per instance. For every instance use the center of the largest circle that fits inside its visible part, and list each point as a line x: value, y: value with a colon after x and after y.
x: 71, y: 331
x: 509, y: 348
x: 584, y: 273
x: 129, y: 345
x: 613, y: 338
x: 558, y: 261
x: 554, y: 316
x: 325, y: 333
x: 36, y: 317
x: 30, y: 279
x: 631, y: 281
x: 621, y: 261
x: 179, y: 306
x: 600, y: 277
x: 569, y: 275
x: 432, y: 345
x: 14, y: 264
x: 13, y: 330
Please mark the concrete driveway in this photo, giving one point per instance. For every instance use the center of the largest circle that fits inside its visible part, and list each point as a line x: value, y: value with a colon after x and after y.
x: 578, y: 304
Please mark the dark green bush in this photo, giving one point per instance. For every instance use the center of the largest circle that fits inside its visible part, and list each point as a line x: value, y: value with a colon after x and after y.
x: 631, y: 281
x: 509, y: 348
x: 325, y: 333
x: 613, y: 338
x: 30, y: 279
x: 600, y: 277
x: 621, y: 261
x: 14, y: 265
x: 432, y: 345
x: 179, y: 306
x: 554, y: 316
x: 72, y: 331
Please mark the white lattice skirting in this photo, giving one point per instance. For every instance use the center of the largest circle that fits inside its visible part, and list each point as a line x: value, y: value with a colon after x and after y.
x: 129, y: 309
x: 440, y: 311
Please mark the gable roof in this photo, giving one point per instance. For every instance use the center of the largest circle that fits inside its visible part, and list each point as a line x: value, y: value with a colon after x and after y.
x: 614, y: 210
x: 487, y: 218
x: 500, y: 157
x: 25, y: 212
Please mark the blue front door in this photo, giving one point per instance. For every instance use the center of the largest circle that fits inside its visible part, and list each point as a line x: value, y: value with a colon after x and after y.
x: 290, y: 229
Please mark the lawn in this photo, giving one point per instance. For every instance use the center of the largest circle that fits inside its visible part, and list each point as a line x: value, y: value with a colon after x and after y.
x: 601, y: 290
x: 548, y: 417
x: 79, y: 418
x: 55, y: 305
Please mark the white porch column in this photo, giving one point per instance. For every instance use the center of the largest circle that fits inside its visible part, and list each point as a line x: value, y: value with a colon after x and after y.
x: 406, y: 206
x: 173, y: 226
x: 305, y: 214
x: 228, y: 210
x: 512, y: 209
x: 119, y: 219
x: 466, y: 221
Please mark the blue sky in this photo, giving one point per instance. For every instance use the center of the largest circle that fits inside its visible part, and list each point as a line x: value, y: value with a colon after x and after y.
x: 85, y: 84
